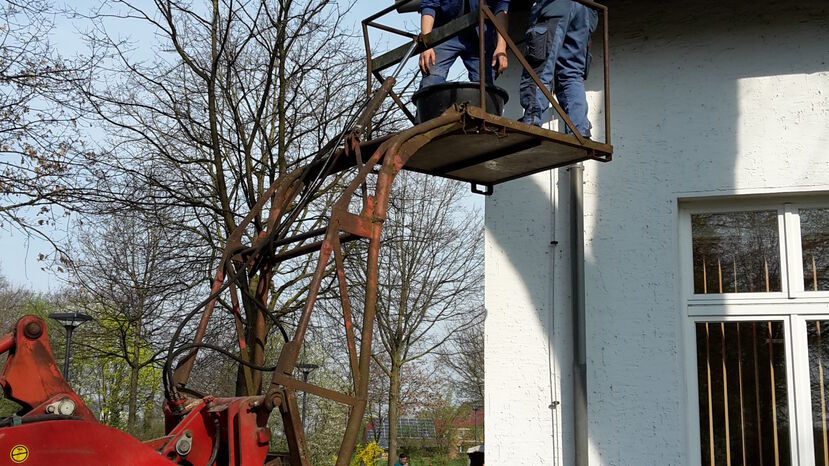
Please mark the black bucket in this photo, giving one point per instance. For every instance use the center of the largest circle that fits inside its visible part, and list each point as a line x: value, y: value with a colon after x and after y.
x: 432, y: 101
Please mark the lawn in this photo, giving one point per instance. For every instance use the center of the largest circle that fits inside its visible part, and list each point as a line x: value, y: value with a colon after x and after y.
x: 437, y: 461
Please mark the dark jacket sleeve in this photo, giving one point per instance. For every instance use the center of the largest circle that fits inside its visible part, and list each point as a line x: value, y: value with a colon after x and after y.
x: 500, y: 6
x: 429, y: 7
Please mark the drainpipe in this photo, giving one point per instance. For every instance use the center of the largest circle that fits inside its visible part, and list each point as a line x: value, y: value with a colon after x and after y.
x: 579, y: 333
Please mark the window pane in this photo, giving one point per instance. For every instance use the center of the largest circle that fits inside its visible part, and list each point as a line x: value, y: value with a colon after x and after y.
x: 743, y: 403
x: 814, y: 237
x: 736, y: 252
x: 818, y: 373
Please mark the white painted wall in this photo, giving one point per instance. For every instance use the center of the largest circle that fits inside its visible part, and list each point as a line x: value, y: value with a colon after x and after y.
x: 709, y: 98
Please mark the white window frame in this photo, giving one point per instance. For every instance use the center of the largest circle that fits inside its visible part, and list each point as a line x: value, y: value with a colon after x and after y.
x: 793, y: 305
x: 795, y: 258
x: 687, y: 255
x: 693, y: 382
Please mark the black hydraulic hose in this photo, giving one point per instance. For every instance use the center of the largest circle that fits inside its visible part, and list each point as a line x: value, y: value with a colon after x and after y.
x: 217, y: 437
x: 233, y: 276
x: 327, y: 156
x: 226, y: 353
x: 166, y: 378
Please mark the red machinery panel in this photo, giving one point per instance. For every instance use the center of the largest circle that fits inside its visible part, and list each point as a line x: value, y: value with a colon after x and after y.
x: 70, y: 442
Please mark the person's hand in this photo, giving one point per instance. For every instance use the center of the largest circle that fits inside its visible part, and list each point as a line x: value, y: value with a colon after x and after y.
x: 427, y: 59
x: 499, y: 62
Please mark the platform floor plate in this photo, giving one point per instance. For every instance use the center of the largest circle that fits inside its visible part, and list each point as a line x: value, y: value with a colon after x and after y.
x: 487, y: 150
x: 491, y: 150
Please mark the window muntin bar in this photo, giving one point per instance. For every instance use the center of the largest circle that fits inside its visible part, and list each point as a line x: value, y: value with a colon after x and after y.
x: 818, y: 341
x: 814, y: 241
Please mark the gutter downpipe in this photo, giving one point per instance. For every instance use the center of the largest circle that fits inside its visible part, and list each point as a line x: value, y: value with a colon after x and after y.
x: 580, y: 432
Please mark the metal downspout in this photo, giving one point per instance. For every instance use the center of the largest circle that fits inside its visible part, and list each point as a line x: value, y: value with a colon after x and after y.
x: 552, y: 356
x: 579, y: 334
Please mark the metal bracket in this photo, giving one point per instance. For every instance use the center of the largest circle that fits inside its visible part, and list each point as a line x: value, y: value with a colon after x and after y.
x: 486, y: 191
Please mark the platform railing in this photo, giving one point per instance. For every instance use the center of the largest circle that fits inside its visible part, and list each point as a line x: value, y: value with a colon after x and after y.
x: 475, y: 19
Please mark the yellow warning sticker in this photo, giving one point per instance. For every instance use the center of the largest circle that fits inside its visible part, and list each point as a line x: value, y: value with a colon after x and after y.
x: 19, y: 454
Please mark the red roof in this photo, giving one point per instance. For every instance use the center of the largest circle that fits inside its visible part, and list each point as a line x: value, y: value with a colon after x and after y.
x: 469, y: 419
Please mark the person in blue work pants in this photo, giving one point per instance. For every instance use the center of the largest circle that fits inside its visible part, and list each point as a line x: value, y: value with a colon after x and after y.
x: 435, y: 62
x: 556, y: 41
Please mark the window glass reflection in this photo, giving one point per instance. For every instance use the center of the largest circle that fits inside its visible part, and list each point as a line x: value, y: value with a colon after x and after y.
x: 736, y: 252
x: 814, y: 239
x: 743, y: 395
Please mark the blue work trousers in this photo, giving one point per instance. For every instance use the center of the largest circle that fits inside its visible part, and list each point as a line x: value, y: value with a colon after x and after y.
x: 465, y: 47
x: 557, y: 51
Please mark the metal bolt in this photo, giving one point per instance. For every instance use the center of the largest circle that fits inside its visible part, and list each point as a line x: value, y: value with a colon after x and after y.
x: 66, y: 407
x: 63, y: 406
x: 33, y: 330
x: 185, y: 443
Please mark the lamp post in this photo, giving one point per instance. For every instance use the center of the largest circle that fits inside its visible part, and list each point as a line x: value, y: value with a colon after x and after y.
x: 475, y: 420
x: 70, y: 321
x: 306, y: 370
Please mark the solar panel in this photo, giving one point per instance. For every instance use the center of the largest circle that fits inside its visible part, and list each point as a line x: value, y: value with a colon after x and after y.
x: 410, y: 428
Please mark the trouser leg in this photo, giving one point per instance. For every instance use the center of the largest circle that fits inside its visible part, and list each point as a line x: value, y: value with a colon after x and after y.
x: 571, y: 65
x: 445, y: 55
x: 471, y: 56
x: 544, y: 39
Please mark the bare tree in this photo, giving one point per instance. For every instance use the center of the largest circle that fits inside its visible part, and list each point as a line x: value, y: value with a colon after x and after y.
x: 42, y: 159
x: 464, y: 356
x: 12, y: 301
x: 416, y: 390
x: 443, y: 410
x: 430, y: 281
x: 237, y: 94
x: 131, y: 279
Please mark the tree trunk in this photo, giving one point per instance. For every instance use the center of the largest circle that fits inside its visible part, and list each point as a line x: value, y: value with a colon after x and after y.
x: 256, y: 333
x: 133, y: 389
x: 243, y: 373
x: 260, y: 330
x: 394, y: 410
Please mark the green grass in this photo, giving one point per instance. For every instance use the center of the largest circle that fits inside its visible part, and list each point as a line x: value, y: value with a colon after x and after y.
x: 437, y: 461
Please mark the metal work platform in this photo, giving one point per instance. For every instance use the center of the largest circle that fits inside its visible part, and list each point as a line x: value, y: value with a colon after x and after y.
x: 487, y: 150
x: 482, y: 148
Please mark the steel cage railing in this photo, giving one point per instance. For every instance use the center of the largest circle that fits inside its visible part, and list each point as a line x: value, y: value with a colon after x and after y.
x: 471, y: 20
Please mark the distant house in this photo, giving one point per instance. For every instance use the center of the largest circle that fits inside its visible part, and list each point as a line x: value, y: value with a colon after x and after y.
x: 420, y: 432
x: 455, y: 436
x: 468, y: 432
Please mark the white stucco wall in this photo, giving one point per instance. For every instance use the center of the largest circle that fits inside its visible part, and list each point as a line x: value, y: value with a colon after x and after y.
x: 708, y: 99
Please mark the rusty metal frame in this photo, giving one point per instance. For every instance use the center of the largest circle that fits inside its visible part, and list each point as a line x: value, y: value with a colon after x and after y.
x: 343, y: 226
x: 391, y: 155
